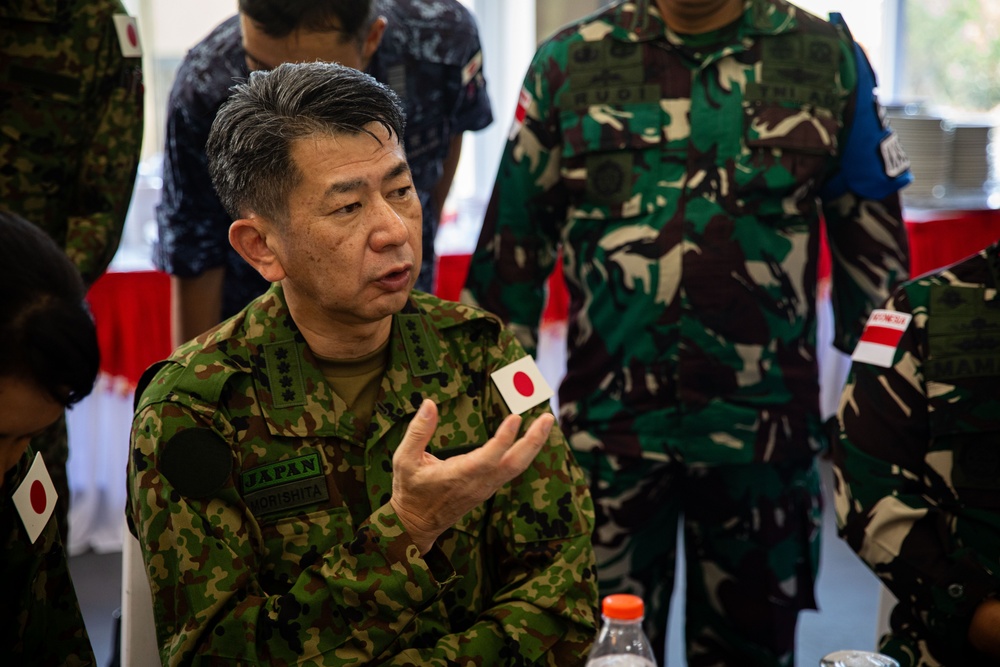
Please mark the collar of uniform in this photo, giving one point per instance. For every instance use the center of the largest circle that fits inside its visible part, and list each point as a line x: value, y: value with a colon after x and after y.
x: 760, y: 17
x: 41, y: 11
x: 294, y: 396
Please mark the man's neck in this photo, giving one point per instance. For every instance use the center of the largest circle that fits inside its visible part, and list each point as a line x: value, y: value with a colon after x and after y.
x: 340, y: 340
x: 695, y: 17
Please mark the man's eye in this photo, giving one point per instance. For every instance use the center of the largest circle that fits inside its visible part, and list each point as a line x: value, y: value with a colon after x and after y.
x: 350, y: 208
x: 403, y: 191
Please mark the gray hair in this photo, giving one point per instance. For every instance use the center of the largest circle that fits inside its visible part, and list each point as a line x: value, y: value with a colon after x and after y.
x: 249, y: 145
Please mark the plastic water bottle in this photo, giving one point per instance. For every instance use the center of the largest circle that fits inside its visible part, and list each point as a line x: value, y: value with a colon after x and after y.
x: 857, y: 659
x: 622, y: 641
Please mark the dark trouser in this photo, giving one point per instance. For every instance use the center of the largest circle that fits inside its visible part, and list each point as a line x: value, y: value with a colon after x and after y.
x: 751, y: 547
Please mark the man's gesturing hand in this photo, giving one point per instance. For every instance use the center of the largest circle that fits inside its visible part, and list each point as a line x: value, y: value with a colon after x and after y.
x: 430, y: 494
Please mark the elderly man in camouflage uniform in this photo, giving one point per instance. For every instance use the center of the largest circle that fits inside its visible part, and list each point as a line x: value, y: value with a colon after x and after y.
x: 918, y: 463
x: 314, y: 481
x: 71, y: 121
x: 680, y: 155
x: 428, y: 51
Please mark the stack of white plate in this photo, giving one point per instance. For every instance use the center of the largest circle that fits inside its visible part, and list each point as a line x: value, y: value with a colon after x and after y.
x: 970, y: 165
x: 926, y: 139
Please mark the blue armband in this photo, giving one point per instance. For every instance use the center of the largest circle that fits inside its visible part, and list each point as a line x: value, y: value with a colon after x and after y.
x: 872, y: 162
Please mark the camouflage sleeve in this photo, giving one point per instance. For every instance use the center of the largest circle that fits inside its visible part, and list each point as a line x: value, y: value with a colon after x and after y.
x: 193, y: 225
x: 867, y: 237
x: 472, y: 111
x: 108, y: 167
x: 892, y: 498
x: 545, y: 578
x: 40, y: 618
x: 517, y: 246
x: 870, y: 257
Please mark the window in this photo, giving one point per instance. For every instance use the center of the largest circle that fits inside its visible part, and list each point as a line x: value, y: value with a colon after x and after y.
x: 938, y: 67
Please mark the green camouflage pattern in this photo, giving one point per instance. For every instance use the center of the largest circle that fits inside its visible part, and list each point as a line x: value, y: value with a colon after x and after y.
x: 680, y: 177
x: 751, y: 551
x: 261, y: 507
x: 918, y: 462
x: 40, y: 619
x: 71, y: 121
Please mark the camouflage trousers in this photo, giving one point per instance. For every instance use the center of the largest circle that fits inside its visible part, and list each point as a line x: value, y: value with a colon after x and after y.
x: 751, y: 548
x: 53, y: 445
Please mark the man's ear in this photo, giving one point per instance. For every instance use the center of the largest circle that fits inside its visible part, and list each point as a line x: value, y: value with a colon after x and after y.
x: 252, y: 238
x: 374, y: 38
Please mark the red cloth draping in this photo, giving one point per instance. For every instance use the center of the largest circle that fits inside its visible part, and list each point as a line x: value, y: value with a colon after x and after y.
x: 132, y: 313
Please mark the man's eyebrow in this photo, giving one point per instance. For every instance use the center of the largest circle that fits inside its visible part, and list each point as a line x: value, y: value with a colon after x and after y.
x: 402, y: 168
x: 341, y: 187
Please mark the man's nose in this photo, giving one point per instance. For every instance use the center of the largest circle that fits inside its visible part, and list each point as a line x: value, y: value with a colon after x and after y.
x: 389, y: 227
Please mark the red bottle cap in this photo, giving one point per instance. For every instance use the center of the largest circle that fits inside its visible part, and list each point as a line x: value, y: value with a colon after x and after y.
x: 623, y: 607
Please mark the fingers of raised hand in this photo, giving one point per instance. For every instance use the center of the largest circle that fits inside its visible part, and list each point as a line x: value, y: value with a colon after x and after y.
x: 511, y: 457
x: 418, y: 434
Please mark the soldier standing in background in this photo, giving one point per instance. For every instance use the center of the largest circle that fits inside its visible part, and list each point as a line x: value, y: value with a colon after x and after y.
x: 918, y: 463
x: 427, y: 51
x: 71, y: 121
x: 680, y: 155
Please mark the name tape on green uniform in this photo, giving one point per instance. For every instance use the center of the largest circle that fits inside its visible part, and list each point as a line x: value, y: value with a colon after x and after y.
x: 285, y: 485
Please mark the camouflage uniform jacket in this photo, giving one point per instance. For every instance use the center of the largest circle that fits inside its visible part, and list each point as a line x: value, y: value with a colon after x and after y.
x: 680, y: 176
x: 40, y: 619
x: 430, y: 56
x: 262, y: 507
x: 918, y: 462
x: 71, y: 122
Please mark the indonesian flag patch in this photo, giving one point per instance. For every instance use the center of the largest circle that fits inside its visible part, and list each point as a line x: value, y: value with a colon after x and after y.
x: 35, y: 498
x: 522, y: 385
x: 523, y: 102
x: 880, y: 338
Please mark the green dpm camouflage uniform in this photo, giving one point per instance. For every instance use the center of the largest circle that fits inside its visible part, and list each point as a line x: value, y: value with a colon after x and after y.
x: 680, y: 177
x: 40, y: 619
x: 261, y: 507
x: 70, y: 132
x: 918, y: 462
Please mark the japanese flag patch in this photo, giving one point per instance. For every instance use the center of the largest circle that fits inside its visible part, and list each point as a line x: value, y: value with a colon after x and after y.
x: 35, y: 498
x: 522, y: 385
x: 882, y: 334
x: 128, y: 35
